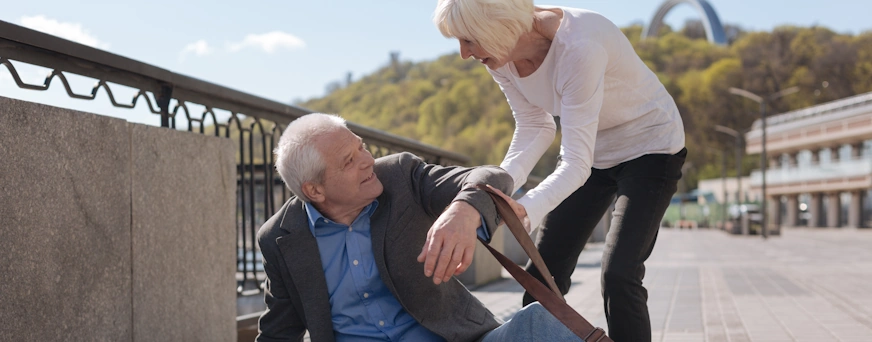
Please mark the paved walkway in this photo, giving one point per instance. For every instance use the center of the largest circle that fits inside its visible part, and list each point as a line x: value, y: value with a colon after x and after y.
x: 805, y: 285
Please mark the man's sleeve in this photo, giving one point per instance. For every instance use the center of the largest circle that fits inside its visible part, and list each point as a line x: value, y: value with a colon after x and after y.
x: 280, y: 321
x: 436, y: 186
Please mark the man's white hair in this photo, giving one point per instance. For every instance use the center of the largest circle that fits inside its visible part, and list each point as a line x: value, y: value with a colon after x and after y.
x: 495, y: 25
x: 298, y: 160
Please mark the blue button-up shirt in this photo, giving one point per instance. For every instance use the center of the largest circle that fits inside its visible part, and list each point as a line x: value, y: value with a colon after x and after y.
x: 362, y: 307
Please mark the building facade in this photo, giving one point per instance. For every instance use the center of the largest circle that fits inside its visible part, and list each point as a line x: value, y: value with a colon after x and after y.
x: 819, y: 164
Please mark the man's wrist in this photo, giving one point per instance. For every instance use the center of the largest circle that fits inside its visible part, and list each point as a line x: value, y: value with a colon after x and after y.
x: 470, y: 215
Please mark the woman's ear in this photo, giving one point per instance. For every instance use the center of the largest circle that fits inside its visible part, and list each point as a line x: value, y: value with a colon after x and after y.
x: 315, y: 192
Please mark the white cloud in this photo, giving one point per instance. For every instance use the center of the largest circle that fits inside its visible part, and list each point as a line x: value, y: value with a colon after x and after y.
x: 69, y: 31
x: 199, y: 48
x: 269, y: 42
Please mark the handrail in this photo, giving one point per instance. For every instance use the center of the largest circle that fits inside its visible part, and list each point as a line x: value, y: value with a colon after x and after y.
x: 42, y: 49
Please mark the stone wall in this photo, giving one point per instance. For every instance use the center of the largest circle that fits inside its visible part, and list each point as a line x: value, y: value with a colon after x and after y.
x: 113, y: 231
x: 513, y: 250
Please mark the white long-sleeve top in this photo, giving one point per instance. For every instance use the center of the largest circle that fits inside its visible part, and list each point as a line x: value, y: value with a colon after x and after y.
x: 612, y: 109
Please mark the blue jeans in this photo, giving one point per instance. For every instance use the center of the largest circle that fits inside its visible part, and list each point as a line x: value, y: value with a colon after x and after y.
x: 531, y: 323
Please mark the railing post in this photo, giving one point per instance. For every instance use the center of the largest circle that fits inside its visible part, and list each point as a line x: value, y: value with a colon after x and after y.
x: 163, y: 101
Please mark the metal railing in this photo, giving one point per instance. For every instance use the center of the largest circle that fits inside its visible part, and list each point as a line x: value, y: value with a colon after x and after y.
x: 255, y: 123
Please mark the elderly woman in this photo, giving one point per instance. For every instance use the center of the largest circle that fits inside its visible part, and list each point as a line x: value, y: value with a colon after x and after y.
x: 622, y: 136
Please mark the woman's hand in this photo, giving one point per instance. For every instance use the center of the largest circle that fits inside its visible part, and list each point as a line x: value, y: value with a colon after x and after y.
x: 519, y: 209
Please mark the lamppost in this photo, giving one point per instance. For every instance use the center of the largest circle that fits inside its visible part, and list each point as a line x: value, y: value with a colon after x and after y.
x: 762, y: 101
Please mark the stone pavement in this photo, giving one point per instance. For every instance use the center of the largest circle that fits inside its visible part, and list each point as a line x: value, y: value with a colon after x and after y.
x: 805, y: 285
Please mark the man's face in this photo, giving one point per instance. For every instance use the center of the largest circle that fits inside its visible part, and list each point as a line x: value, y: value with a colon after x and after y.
x: 349, y: 181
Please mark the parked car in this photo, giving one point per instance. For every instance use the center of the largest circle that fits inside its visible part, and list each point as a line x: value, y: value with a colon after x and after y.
x: 745, y: 215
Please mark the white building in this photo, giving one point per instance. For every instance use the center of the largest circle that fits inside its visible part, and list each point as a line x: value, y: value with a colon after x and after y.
x: 820, y: 162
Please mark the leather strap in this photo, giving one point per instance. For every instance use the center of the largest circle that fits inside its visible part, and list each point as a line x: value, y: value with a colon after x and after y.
x: 551, y: 299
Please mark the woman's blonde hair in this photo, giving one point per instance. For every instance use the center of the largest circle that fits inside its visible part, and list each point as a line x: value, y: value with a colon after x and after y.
x: 495, y: 25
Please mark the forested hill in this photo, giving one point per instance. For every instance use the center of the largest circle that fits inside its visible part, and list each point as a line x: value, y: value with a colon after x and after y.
x: 456, y: 105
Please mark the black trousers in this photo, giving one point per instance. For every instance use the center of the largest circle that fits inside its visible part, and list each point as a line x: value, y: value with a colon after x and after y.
x: 643, y: 187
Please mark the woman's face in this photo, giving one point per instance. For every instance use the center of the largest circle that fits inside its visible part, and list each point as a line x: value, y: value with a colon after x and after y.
x: 470, y: 48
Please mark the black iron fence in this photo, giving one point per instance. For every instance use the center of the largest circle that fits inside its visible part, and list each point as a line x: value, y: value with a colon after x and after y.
x: 254, y: 123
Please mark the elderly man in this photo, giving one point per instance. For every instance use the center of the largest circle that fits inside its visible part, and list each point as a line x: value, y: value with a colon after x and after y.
x: 343, y: 257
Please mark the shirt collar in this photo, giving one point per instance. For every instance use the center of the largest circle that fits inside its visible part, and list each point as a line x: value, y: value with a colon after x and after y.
x: 315, y: 216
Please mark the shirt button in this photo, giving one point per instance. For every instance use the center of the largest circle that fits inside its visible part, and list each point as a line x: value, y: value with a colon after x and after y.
x: 381, y: 323
x: 349, y: 229
x: 355, y: 262
x: 366, y: 295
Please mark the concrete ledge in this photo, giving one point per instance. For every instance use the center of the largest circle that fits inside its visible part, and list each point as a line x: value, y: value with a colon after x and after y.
x: 113, y: 231
x: 65, y: 218
x: 183, y: 195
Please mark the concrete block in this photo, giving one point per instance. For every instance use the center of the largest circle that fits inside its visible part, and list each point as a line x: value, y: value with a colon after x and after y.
x: 184, y: 239
x: 64, y: 225
x: 514, y: 251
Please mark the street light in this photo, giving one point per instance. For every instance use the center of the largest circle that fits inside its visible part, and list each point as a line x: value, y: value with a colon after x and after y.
x: 762, y: 101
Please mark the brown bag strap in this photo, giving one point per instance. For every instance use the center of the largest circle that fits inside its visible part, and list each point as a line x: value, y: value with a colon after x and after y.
x: 552, y: 300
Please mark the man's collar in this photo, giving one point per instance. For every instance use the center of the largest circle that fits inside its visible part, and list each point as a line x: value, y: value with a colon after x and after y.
x: 314, y: 215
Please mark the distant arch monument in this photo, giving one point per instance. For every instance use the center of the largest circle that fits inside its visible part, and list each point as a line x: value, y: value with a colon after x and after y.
x: 714, y: 31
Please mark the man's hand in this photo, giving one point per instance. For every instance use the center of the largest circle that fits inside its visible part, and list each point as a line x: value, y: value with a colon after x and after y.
x: 518, y: 208
x: 450, y: 242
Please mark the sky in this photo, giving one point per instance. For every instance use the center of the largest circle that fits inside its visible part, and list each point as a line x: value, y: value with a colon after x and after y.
x: 290, y: 50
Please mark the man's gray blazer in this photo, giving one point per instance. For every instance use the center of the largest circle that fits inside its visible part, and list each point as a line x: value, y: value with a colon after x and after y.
x: 415, y: 194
